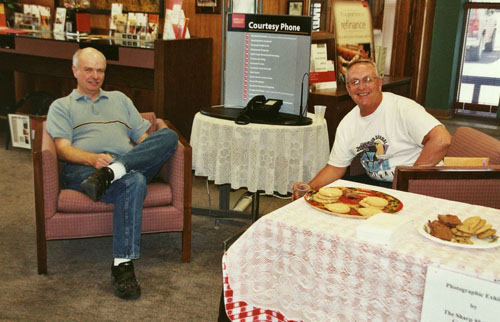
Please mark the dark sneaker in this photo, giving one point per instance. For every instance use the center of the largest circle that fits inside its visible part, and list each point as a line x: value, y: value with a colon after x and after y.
x: 124, y: 281
x: 97, y: 184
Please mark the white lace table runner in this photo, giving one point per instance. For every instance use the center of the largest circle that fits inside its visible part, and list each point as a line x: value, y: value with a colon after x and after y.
x: 309, y: 266
x: 258, y: 156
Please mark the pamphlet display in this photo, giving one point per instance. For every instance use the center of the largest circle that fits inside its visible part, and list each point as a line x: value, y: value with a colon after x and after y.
x: 322, y: 74
x: 267, y: 55
x: 176, y: 23
x: 353, y: 34
x: 20, y: 130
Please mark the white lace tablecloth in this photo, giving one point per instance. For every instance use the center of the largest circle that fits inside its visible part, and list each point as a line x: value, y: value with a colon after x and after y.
x: 258, y: 156
x: 299, y: 264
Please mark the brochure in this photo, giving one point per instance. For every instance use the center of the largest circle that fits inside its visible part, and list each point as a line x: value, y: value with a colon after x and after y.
x: 20, y: 130
x: 60, y: 21
x: 116, y: 9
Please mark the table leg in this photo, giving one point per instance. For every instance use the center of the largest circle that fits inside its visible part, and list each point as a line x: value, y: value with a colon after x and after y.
x: 224, y: 214
x: 224, y: 190
x: 255, y: 206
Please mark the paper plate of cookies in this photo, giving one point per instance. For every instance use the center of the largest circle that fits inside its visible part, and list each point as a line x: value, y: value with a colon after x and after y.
x: 352, y: 202
x: 466, y: 232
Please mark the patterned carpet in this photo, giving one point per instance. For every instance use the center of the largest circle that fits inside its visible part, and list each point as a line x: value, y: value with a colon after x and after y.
x: 78, y: 287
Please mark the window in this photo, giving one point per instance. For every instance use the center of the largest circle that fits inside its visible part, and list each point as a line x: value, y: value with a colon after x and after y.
x: 478, y: 90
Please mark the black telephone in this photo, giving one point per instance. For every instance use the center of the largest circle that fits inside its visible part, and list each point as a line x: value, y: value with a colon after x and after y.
x: 261, y: 109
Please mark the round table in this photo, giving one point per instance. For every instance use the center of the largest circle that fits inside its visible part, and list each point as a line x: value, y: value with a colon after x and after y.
x: 260, y: 157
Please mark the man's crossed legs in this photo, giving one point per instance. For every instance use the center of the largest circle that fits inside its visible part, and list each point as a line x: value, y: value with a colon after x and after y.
x: 127, y: 193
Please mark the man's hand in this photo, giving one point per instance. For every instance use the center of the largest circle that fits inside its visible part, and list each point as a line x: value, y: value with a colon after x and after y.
x: 101, y: 160
x: 295, y: 194
x: 67, y: 152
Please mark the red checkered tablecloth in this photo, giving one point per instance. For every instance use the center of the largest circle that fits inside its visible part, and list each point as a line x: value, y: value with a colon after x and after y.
x: 299, y: 264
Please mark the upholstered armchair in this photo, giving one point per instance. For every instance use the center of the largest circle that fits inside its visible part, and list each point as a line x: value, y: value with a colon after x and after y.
x: 478, y: 185
x: 65, y: 214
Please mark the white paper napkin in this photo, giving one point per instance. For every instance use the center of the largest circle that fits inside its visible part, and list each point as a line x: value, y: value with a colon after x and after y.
x: 383, y: 228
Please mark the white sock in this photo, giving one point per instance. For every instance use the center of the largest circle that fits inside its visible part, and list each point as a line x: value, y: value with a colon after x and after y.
x: 118, y: 261
x: 118, y: 170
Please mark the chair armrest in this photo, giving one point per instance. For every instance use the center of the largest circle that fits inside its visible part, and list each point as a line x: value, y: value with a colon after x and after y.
x: 177, y: 171
x: 45, y: 172
x: 476, y: 185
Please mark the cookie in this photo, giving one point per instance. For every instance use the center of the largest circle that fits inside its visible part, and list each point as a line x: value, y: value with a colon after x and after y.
x: 338, y: 208
x: 487, y: 233
x: 319, y: 198
x: 459, y: 233
x: 376, y: 202
x: 330, y: 192
x: 368, y: 212
x: 483, y: 229
x: 472, y: 221
x: 479, y: 225
x: 466, y: 229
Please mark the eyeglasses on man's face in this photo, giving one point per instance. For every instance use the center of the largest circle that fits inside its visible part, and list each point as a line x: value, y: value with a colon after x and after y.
x: 365, y: 80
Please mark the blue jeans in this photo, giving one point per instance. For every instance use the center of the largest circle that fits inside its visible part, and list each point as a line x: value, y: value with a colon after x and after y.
x: 127, y: 194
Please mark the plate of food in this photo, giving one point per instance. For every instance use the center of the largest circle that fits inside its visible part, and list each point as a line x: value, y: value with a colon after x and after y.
x: 352, y: 202
x: 466, y: 232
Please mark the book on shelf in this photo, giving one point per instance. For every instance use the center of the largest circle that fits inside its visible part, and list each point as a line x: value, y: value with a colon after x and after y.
x: 322, y: 70
x: 116, y: 9
x: 380, y: 58
x: 35, y: 15
x: 18, y: 19
x: 83, y: 22
x: 27, y: 14
x: 152, y: 30
x: 141, y: 23
x: 131, y: 23
x: 175, y: 26
x: 44, y: 17
x: 3, y: 22
x: 60, y: 20
x: 121, y: 22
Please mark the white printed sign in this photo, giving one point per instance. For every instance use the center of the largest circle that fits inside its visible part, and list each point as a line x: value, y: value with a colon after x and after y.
x: 454, y: 297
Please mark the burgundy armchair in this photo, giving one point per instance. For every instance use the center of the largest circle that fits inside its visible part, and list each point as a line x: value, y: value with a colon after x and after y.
x: 474, y: 185
x: 66, y: 214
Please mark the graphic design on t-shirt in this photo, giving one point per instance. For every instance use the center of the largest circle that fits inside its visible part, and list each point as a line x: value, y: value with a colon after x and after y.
x: 374, y: 157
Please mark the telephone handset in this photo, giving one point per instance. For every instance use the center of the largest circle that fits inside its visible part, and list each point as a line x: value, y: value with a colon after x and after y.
x: 259, y: 108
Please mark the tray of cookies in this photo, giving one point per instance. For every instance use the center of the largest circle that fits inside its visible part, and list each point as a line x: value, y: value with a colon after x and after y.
x: 470, y: 232
x: 352, y: 202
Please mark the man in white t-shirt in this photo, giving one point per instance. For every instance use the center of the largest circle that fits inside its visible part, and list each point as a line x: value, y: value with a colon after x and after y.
x: 385, y: 130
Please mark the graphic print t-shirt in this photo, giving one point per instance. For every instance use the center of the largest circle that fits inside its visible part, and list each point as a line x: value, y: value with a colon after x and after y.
x: 391, y: 136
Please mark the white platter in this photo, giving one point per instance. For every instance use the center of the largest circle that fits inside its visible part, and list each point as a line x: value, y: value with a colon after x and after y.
x: 477, y: 243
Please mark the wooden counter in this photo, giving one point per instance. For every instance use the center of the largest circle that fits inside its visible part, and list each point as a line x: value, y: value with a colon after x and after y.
x: 339, y: 103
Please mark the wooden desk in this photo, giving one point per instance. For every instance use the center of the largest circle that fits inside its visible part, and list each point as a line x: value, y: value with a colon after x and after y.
x: 177, y: 77
x: 339, y: 103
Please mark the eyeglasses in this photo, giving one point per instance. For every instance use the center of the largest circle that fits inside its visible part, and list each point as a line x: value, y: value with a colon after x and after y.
x: 366, y: 81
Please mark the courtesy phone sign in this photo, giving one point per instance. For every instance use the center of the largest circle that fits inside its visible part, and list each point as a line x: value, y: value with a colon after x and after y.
x: 271, y: 24
x: 454, y: 297
x: 267, y: 55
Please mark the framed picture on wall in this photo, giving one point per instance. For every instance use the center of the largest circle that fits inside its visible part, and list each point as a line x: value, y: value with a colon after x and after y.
x: 295, y: 8
x: 207, y: 6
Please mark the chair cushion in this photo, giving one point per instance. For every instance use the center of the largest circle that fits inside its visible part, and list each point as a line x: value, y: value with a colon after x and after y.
x: 158, y: 194
x: 468, y: 142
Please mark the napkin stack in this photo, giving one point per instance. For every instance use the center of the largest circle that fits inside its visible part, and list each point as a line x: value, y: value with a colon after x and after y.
x: 383, y: 228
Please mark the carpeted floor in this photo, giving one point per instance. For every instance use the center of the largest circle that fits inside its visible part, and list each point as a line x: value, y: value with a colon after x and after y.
x: 77, y: 287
